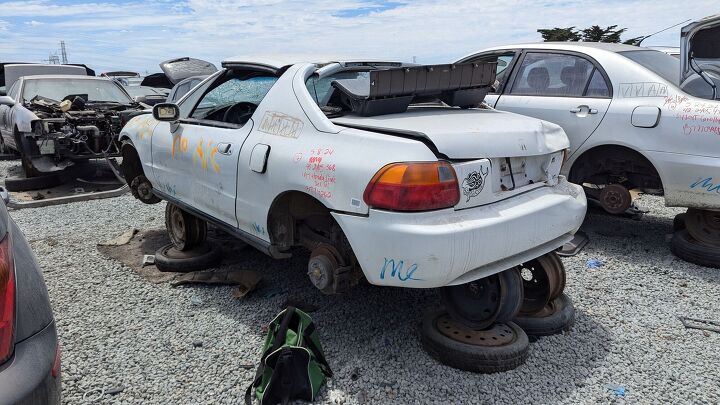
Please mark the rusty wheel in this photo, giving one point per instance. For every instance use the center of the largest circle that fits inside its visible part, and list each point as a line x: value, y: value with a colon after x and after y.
x: 615, y: 198
x: 501, y: 347
x: 703, y: 226
x: 184, y: 229
x: 543, y: 280
x: 324, y: 261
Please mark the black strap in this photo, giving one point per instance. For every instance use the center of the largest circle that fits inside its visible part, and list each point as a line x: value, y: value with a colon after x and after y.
x: 324, y: 366
x: 280, y: 335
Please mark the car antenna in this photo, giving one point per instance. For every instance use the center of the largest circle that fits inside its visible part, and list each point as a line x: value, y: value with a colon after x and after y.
x: 662, y: 30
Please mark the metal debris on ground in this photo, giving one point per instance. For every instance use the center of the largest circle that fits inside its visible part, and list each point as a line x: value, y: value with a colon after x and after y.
x: 245, y: 280
x: 115, y: 390
x: 573, y: 247
x: 700, y: 324
x: 594, y: 264
x: 148, y: 260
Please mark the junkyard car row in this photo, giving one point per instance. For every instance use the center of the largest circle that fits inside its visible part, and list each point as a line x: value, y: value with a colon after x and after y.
x: 462, y: 177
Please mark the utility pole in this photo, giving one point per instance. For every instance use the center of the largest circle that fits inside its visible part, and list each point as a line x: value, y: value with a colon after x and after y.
x: 63, y: 51
x: 53, y: 59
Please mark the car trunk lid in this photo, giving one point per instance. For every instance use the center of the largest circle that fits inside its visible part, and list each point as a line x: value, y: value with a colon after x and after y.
x: 702, y: 40
x: 182, y: 68
x: 495, y: 154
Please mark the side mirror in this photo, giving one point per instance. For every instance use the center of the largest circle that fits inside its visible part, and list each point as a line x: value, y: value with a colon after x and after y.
x: 167, y: 112
x: 6, y: 100
x: 4, y: 195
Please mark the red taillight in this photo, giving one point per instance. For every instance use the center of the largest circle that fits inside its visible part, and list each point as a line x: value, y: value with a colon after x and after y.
x: 7, y: 298
x: 56, y: 364
x: 413, y: 187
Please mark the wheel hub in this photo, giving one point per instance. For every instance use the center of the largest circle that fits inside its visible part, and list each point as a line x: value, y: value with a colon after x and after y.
x: 498, y: 334
x: 323, y: 264
x: 615, y: 198
x: 475, y: 304
x: 543, y: 281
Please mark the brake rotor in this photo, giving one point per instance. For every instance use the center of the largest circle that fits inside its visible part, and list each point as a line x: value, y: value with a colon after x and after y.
x: 476, y: 304
x: 498, y: 334
x: 615, y: 198
x: 703, y: 226
x: 324, y: 260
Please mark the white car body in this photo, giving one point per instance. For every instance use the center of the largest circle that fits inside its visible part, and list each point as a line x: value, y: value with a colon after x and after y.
x: 645, y: 115
x: 289, y: 146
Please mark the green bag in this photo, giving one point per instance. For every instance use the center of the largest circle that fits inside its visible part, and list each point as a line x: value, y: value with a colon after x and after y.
x: 292, y: 365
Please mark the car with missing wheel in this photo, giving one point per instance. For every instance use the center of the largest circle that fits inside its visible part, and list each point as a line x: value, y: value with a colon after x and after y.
x: 29, y: 349
x: 55, y: 121
x: 384, y: 171
x: 637, y: 118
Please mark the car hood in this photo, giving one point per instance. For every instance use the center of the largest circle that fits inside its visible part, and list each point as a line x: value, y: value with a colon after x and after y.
x: 702, y: 38
x: 468, y: 134
x: 178, y: 69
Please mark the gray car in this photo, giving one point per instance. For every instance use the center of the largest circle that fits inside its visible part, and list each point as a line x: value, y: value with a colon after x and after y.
x: 29, y: 349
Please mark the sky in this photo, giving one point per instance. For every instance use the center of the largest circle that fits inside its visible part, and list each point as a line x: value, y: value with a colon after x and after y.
x: 137, y: 35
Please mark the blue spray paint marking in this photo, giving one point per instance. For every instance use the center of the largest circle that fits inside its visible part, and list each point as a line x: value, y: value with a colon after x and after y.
x: 707, y: 184
x: 397, y: 268
x: 168, y: 188
x: 258, y: 228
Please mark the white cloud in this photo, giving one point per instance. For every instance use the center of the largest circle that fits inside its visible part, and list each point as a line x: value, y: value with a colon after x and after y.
x: 138, y: 35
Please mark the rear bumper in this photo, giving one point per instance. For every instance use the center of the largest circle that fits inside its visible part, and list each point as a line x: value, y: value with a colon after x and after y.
x: 689, y: 180
x: 27, y: 377
x: 449, y: 247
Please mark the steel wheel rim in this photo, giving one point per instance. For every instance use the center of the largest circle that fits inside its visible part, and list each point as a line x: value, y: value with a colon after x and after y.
x: 498, y: 334
x: 476, y: 304
x: 178, y: 227
x: 703, y: 226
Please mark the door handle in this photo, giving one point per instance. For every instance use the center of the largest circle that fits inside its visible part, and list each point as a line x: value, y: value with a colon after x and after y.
x: 592, y: 111
x: 575, y: 110
x: 224, y: 148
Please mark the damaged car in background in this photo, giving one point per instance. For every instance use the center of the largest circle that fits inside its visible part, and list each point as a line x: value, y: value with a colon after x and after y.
x: 56, y: 121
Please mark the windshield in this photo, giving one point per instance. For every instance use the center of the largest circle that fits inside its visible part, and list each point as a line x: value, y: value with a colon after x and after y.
x: 320, y: 88
x: 658, y: 62
x: 58, y: 89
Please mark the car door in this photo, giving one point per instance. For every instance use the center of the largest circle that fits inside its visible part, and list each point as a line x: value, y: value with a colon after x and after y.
x: 566, y: 88
x: 506, y: 60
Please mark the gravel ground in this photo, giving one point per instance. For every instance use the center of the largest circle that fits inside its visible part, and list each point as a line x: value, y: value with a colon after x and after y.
x: 118, y: 330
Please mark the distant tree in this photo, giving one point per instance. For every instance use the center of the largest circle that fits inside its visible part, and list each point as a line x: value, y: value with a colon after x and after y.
x: 592, y: 34
x: 559, y: 34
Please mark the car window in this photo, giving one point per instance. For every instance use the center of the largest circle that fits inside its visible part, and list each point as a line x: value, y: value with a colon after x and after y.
x: 547, y: 74
x: 59, y: 89
x: 598, y: 86
x: 13, y: 90
x: 319, y: 89
x: 181, y: 91
x: 504, y: 61
x: 660, y: 63
x: 233, y: 91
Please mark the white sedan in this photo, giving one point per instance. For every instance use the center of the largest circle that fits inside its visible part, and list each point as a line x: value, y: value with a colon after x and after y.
x: 630, y: 121
x: 338, y: 158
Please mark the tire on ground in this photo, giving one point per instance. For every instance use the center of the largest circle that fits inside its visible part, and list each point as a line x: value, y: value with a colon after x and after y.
x: 558, y: 316
x: 686, y: 248
x: 168, y: 258
x: 475, y: 358
x: 679, y: 222
x: 193, y: 228
x: 32, y: 183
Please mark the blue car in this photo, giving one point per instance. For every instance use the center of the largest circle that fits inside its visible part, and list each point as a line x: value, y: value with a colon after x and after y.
x: 29, y: 349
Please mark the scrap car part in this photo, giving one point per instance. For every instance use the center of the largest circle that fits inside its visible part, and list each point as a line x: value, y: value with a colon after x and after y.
x: 501, y: 347
x: 185, y: 230
x: 543, y: 281
x: 480, y: 303
x: 556, y: 317
x: 704, y: 226
x: 327, y: 271
x: 615, y: 198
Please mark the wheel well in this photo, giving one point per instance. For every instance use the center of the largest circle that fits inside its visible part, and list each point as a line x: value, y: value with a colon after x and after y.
x: 615, y: 164
x: 299, y: 219
x: 131, y: 165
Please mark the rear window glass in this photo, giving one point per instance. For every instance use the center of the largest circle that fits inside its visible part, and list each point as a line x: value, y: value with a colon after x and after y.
x: 658, y: 62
